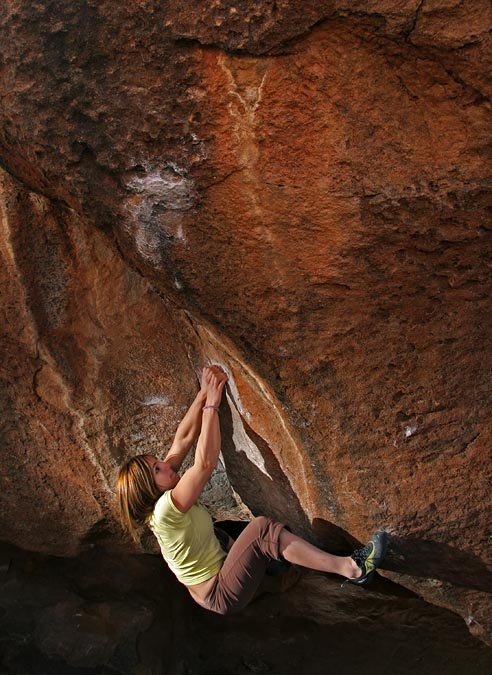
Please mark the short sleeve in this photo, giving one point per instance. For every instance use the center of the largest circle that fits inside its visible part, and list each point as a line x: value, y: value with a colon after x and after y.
x: 165, y: 512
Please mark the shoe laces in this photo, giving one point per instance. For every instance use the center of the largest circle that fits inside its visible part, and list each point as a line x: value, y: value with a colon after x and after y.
x: 360, y: 554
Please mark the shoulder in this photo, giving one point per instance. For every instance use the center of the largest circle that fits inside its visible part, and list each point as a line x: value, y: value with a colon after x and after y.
x: 166, y: 511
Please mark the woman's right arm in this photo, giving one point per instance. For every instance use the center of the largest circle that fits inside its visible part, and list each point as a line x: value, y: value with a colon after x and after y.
x: 191, y: 484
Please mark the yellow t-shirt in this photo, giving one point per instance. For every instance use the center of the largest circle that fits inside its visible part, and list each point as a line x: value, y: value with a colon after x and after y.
x: 187, y: 540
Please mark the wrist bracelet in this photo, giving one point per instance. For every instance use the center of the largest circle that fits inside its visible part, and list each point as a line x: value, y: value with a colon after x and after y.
x: 211, y: 407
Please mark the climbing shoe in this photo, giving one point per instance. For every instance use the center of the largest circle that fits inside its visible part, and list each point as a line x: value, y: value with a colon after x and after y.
x: 368, y: 558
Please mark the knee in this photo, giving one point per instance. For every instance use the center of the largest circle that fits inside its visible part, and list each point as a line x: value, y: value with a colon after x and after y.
x: 264, y: 524
x: 260, y: 525
x: 260, y: 521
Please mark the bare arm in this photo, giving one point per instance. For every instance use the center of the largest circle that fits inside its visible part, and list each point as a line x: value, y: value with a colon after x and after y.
x: 187, y: 431
x: 190, y: 486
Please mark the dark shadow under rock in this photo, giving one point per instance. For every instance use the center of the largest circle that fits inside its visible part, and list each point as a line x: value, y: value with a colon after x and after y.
x: 126, y: 615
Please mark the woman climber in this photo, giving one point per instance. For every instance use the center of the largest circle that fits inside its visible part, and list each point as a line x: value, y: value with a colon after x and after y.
x: 151, y: 492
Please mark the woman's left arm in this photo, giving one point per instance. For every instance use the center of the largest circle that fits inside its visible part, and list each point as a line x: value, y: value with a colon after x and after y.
x: 187, y: 432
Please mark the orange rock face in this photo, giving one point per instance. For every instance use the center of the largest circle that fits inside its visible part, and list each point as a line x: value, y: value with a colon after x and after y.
x: 300, y: 195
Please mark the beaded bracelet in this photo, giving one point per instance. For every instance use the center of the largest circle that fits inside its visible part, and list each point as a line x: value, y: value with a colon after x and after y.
x: 211, y: 407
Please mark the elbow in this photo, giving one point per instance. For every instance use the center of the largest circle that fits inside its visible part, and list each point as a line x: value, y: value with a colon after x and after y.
x: 205, y: 465
x: 207, y: 453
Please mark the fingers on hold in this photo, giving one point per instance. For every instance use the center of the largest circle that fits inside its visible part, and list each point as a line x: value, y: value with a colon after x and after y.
x: 215, y: 374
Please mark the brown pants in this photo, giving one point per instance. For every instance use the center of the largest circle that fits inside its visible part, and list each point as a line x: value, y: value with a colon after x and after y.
x: 244, y: 568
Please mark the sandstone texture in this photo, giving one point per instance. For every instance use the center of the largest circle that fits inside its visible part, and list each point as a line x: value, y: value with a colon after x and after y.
x: 298, y: 191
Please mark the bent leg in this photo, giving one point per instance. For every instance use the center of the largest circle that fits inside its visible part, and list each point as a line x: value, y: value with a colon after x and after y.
x: 264, y: 540
x: 244, y: 568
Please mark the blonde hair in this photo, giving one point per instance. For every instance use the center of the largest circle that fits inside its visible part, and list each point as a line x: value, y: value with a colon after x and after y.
x: 137, y: 494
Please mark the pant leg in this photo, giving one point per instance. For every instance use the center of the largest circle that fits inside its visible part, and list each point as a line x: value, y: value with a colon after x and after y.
x: 245, y: 566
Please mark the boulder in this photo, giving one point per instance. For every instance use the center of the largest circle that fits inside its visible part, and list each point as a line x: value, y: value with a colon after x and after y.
x: 299, y: 194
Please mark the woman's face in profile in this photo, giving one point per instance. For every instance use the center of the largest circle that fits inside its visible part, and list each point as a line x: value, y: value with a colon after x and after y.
x: 164, y: 475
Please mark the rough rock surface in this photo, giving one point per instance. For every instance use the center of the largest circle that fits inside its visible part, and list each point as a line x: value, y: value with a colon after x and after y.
x: 298, y: 193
